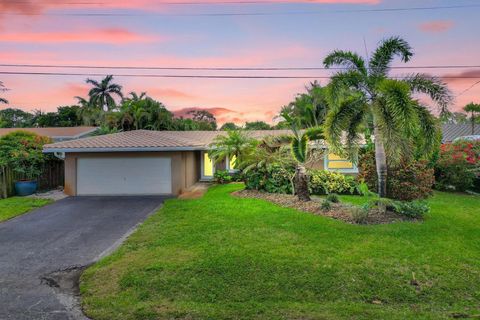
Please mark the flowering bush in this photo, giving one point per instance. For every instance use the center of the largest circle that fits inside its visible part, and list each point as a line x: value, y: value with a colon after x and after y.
x: 273, y: 179
x: 22, y: 151
x: 408, y: 180
x: 326, y: 182
x: 458, y: 165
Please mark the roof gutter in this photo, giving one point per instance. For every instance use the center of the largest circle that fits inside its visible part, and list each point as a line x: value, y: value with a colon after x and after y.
x: 131, y: 149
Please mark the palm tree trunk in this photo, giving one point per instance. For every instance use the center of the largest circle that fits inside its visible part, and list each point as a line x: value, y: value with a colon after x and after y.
x: 381, y: 163
x: 473, y: 123
x: 301, y: 183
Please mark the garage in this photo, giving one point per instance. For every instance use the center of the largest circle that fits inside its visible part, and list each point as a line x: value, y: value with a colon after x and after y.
x: 124, y: 176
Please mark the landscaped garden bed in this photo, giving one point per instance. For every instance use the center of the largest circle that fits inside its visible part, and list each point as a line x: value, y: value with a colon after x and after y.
x: 340, y: 211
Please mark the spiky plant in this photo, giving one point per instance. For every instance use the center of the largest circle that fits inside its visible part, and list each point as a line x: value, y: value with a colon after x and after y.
x: 363, y: 96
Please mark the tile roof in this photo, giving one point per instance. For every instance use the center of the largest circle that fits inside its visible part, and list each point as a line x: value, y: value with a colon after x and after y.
x: 450, y: 131
x: 144, y: 140
x: 54, y: 133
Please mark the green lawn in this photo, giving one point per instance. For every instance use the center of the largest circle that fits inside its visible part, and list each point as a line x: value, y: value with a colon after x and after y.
x: 12, y: 207
x: 220, y: 257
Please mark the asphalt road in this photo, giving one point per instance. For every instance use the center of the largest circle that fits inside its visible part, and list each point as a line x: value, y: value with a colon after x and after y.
x: 68, y: 234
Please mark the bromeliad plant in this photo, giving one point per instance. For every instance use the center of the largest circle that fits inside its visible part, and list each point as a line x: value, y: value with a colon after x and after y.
x: 364, y: 98
x: 22, y: 151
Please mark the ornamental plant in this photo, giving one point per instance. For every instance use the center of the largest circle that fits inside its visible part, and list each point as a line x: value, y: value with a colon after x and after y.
x: 22, y: 152
x: 458, y: 165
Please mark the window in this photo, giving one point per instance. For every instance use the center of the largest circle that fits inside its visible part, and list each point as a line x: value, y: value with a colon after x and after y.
x: 207, y: 166
x: 337, y: 163
x: 231, y: 164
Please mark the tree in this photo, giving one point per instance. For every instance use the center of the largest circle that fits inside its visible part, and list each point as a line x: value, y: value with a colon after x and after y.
x: 302, y: 151
x: 234, y: 145
x: 257, y: 125
x: 473, y: 108
x: 102, y: 94
x: 229, y: 126
x: 363, y: 98
x: 454, y: 117
x: 205, y: 119
x: 310, y: 107
x: 16, y: 118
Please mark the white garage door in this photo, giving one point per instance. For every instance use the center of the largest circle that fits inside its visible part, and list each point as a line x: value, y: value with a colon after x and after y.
x: 124, y: 176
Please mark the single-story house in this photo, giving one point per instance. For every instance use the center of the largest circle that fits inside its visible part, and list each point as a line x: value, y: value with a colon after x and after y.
x: 55, y: 133
x: 451, y: 131
x: 150, y: 162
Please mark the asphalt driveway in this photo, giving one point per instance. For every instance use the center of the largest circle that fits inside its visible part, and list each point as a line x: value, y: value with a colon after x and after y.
x: 70, y: 233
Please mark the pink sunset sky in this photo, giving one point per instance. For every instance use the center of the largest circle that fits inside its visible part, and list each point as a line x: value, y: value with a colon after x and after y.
x: 213, y: 33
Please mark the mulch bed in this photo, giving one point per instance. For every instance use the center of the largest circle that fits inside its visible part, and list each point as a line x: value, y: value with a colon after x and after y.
x: 339, y: 211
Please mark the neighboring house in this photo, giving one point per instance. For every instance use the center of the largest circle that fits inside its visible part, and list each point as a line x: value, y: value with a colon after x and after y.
x: 150, y: 162
x: 56, y: 134
x: 451, y: 131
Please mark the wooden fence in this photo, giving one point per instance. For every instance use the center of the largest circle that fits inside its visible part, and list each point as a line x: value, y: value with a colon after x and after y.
x: 53, y: 176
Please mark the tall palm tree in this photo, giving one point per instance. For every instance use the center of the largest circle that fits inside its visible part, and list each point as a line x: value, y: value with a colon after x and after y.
x: 364, y: 97
x: 102, y: 94
x: 473, y: 108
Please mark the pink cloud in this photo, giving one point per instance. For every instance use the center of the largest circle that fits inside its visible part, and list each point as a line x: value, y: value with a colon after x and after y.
x: 436, y: 26
x: 108, y: 35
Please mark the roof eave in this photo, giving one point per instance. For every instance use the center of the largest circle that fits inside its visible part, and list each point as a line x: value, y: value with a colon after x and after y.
x: 131, y: 149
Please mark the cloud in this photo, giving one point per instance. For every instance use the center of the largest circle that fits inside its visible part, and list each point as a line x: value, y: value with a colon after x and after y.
x: 462, y: 77
x: 106, y: 35
x: 169, y: 93
x: 436, y: 26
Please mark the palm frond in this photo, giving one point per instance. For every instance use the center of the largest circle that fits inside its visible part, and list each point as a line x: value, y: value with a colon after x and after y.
x: 432, y: 86
x: 299, y: 148
x: 347, y: 59
x: 386, y: 52
x: 341, y: 82
x: 5, y: 101
x: 314, y: 133
x: 428, y: 128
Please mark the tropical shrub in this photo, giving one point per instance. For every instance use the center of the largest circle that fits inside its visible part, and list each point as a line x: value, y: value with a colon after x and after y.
x: 359, y: 214
x: 458, y: 165
x: 326, y: 182
x: 22, y: 151
x: 222, y: 176
x: 412, y: 209
x: 333, y: 197
x: 326, y: 205
x: 408, y: 180
x: 272, y: 178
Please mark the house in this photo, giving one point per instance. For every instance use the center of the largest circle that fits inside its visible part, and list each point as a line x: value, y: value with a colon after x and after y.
x: 451, y: 131
x: 149, y: 162
x: 56, y: 134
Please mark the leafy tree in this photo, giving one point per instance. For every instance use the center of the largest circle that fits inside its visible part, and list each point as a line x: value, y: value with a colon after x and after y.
x: 204, y: 119
x: 473, y: 108
x: 235, y: 144
x: 229, y: 126
x: 454, y: 117
x: 42, y: 119
x: 16, y: 118
x: 364, y: 97
x: 102, y: 94
x: 142, y: 112
x: 310, y: 107
x: 257, y: 125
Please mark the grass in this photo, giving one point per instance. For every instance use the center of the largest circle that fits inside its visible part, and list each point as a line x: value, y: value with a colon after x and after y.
x: 220, y: 257
x: 13, y: 207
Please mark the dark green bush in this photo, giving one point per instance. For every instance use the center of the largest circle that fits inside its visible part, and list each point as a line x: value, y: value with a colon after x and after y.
x: 412, y: 209
x: 222, y: 176
x: 326, y: 205
x: 333, y: 197
x: 273, y: 179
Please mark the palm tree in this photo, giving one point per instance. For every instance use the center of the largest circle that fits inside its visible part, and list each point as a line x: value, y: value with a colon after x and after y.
x: 473, y: 108
x: 300, y: 144
x: 364, y: 97
x: 102, y: 93
x: 234, y: 145
x: 2, y: 88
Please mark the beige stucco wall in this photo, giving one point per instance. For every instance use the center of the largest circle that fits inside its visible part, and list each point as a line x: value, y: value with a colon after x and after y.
x: 185, y: 167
